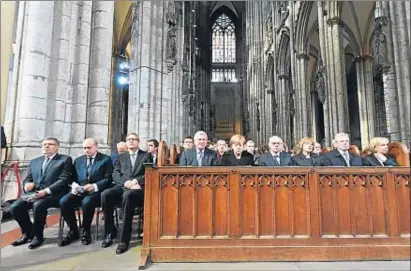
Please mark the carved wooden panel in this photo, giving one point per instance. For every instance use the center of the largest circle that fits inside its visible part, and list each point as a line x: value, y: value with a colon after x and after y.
x: 194, y: 206
x: 353, y: 205
x: 274, y: 206
x: 402, y: 187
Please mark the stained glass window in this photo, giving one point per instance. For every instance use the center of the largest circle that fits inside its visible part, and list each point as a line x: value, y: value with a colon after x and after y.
x: 223, y: 49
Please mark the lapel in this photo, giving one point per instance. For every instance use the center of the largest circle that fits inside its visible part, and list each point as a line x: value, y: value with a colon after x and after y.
x: 96, y: 163
x: 194, y: 154
x: 339, y: 156
x: 50, y: 164
x: 274, y: 161
x: 375, y: 160
x: 140, y: 155
x: 127, y: 161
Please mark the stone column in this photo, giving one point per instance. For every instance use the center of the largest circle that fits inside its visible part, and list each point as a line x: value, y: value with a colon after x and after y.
x: 338, y: 76
x: 146, y: 70
x: 402, y: 71
x: 365, y: 88
x: 100, y: 73
x: 389, y: 76
x: 323, y: 50
x: 33, y: 81
x: 284, y: 109
x: 302, y: 60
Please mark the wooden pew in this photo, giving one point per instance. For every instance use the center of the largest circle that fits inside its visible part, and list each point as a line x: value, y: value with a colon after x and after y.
x: 399, y: 151
x: 173, y: 155
x: 212, y: 214
x: 162, y: 154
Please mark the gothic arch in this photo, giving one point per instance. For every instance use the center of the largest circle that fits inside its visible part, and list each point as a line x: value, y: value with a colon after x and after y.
x: 283, y: 55
x: 227, y: 4
x: 302, y: 25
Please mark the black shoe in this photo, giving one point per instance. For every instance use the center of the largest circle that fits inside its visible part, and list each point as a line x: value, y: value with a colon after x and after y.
x: 86, y: 239
x: 36, y: 242
x: 108, y: 240
x: 121, y: 248
x: 24, y: 239
x: 70, y: 237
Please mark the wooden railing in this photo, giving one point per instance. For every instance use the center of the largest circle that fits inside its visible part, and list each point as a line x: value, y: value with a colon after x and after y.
x: 203, y: 214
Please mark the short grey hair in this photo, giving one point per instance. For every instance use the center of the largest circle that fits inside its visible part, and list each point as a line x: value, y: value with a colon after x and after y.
x: 200, y: 133
x: 53, y: 139
x: 221, y: 141
x: 275, y: 138
x: 339, y: 135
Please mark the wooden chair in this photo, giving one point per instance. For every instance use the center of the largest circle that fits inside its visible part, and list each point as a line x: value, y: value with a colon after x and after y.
x: 162, y: 154
x: 399, y: 151
x: 173, y: 155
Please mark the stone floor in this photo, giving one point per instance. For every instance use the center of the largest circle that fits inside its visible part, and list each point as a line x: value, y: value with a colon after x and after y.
x: 93, y: 257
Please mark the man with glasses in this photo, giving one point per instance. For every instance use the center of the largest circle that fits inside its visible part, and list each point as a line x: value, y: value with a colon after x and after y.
x: 340, y: 155
x: 275, y: 157
x: 93, y: 173
x: 45, y: 184
x: 128, y: 189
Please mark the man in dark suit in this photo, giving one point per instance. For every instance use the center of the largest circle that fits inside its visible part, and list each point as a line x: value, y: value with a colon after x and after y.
x: 199, y: 156
x: 128, y: 178
x: 275, y: 157
x: 340, y: 155
x: 47, y: 181
x: 152, y: 148
x: 121, y: 148
x: 92, y: 174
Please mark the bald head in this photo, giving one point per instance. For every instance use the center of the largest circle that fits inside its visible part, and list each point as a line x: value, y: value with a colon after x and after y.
x: 121, y: 147
x: 90, y: 147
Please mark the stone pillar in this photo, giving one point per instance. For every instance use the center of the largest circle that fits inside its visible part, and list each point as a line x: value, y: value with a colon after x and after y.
x: 389, y: 76
x: 284, y: 109
x: 327, y: 100
x: 338, y: 76
x: 402, y: 71
x: 33, y: 81
x: 365, y: 88
x: 100, y: 73
x: 146, y: 70
x: 302, y: 61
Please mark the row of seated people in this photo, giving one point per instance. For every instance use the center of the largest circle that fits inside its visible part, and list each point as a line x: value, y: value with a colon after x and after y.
x: 304, y: 154
x: 53, y: 180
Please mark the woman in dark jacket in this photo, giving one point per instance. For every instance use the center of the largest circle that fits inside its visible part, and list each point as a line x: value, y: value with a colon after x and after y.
x: 379, y: 148
x: 304, y: 156
x: 237, y: 156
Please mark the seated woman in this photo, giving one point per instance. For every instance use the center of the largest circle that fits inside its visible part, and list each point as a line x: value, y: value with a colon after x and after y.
x: 237, y: 156
x: 379, y: 148
x: 304, y: 156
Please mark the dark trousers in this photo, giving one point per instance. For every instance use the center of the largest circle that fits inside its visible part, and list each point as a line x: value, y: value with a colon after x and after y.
x: 130, y: 199
x: 88, y: 204
x: 20, y: 212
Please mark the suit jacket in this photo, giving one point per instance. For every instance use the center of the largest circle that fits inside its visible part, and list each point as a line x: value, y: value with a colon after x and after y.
x: 114, y: 158
x: 3, y: 138
x: 56, y: 177
x: 101, y: 171
x: 302, y: 161
x: 229, y: 159
x: 268, y: 160
x: 189, y: 158
x: 123, y: 171
x: 372, y: 161
x: 334, y: 158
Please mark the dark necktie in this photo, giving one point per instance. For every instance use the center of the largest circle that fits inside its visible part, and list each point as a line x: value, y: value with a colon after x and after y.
x: 200, y: 158
x: 44, y: 167
x: 89, y: 165
x: 277, y: 158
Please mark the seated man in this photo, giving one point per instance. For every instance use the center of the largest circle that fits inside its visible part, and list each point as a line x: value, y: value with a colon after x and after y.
x: 121, y: 148
x: 276, y: 156
x: 152, y: 149
x: 92, y: 174
x: 199, y: 155
x: 46, y: 182
x: 128, y: 178
x: 340, y: 155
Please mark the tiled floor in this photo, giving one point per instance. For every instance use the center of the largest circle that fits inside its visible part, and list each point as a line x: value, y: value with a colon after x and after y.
x: 93, y: 257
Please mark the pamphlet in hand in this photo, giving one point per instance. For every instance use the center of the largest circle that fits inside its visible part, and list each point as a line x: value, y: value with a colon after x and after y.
x: 77, y: 189
x: 29, y: 197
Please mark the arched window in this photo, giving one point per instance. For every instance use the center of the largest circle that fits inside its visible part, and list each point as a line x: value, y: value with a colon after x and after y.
x: 223, y: 50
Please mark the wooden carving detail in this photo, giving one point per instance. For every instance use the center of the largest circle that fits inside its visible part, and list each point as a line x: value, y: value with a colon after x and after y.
x: 186, y: 180
x: 402, y: 180
x: 220, y: 181
x: 248, y: 180
x: 203, y: 181
x: 168, y: 180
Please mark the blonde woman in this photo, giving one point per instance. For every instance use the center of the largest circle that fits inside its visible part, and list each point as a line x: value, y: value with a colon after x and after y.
x: 378, y: 158
x: 237, y: 156
x: 304, y: 156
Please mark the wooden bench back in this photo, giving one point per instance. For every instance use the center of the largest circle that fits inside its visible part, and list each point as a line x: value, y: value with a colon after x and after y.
x: 173, y: 155
x: 162, y: 154
x: 399, y: 151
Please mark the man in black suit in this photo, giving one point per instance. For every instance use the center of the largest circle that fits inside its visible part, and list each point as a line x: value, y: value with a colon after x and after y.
x: 199, y: 156
x: 340, y: 155
x: 152, y: 148
x: 92, y: 174
x: 46, y: 182
x: 128, y: 178
x: 275, y: 157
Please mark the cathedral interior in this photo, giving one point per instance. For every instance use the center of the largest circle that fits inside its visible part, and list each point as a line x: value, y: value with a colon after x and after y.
x: 166, y: 69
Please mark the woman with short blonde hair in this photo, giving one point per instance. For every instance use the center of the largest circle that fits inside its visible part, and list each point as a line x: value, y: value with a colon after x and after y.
x: 378, y: 149
x: 237, y: 156
x: 303, y: 152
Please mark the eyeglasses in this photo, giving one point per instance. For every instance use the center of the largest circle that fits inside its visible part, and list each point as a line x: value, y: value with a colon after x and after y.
x: 48, y: 144
x: 132, y: 139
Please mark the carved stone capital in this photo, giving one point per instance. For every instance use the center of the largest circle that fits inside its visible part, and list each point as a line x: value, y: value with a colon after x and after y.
x: 335, y: 21
x: 303, y: 56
